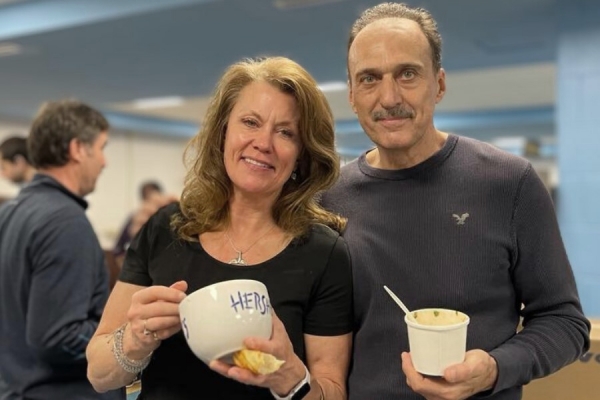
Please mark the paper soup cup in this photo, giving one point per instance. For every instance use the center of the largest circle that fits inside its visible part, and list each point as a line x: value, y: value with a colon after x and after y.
x: 216, y: 319
x: 437, y: 339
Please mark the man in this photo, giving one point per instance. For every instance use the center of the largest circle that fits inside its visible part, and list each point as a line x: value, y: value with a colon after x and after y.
x: 14, y: 160
x: 444, y: 221
x: 148, y: 190
x: 53, y: 282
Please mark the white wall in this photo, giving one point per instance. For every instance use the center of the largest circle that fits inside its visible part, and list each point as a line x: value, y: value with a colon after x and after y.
x: 131, y: 159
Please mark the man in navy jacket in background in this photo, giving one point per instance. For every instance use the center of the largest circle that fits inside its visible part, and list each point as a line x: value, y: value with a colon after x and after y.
x: 53, y: 280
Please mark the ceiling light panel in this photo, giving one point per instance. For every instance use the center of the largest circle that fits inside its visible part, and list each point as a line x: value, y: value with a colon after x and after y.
x: 10, y: 49
x: 295, y: 4
x: 158, y: 102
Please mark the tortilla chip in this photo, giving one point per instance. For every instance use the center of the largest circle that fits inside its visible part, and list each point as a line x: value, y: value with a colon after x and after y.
x: 256, y: 361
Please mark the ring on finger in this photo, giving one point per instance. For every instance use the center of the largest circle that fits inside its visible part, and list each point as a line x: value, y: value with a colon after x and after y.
x: 147, y: 332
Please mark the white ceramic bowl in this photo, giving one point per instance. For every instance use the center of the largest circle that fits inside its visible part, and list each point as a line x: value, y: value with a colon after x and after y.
x: 216, y: 319
x: 437, y: 339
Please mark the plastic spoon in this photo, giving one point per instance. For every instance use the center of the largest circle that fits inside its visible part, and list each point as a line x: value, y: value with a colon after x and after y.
x: 398, y: 301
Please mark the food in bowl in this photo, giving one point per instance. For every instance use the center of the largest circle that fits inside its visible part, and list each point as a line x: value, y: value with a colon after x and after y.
x: 257, y: 362
x: 437, y: 338
x: 433, y: 317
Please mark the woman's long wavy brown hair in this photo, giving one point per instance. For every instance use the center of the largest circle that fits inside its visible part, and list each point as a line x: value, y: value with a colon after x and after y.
x: 205, y: 197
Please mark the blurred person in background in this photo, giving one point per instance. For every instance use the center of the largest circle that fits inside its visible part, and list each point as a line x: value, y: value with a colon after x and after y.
x: 247, y: 211
x: 53, y: 280
x: 15, y: 167
x: 153, y: 202
x: 14, y: 160
x: 444, y: 221
x: 152, y: 198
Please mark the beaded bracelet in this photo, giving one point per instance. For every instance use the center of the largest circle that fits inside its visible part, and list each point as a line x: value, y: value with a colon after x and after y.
x: 131, y: 366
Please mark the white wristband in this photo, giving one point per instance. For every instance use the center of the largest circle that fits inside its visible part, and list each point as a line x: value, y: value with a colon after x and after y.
x: 302, y: 389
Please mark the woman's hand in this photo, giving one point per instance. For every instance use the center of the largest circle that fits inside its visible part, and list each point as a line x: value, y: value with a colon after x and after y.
x: 153, y: 316
x: 282, y: 381
x: 132, y: 305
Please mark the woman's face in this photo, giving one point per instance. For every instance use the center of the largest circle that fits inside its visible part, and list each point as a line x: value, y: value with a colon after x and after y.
x: 262, y: 142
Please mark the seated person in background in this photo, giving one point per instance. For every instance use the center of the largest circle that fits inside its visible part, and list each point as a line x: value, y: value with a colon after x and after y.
x: 152, y: 197
x: 14, y: 161
x: 153, y: 200
x: 148, y: 188
x: 247, y: 211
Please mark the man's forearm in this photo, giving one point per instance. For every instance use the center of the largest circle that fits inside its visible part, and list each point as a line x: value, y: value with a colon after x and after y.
x: 64, y: 345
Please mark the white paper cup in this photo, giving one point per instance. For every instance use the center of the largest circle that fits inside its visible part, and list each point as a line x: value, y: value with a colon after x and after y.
x: 216, y: 319
x: 437, y: 339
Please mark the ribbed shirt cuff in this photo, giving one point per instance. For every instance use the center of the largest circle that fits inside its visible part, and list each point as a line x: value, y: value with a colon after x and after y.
x: 514, y: 367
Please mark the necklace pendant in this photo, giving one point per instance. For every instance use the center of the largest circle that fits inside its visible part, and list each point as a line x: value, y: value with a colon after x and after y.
x: 239, y: 260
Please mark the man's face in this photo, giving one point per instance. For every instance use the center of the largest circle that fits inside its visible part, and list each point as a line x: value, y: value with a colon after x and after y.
x: 14, y: 171
x: 393, y: 86
x: 93, y: 162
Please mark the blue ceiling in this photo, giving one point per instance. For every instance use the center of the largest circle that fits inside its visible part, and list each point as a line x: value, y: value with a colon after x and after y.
x: 107, y: 51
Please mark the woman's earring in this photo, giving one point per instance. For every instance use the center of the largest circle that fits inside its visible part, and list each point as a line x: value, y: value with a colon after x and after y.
x: 294, y: 176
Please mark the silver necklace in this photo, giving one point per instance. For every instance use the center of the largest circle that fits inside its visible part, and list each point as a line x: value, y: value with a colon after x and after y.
x: 239, y: 260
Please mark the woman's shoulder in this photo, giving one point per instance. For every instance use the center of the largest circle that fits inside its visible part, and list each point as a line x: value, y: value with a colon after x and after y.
x: 322, y: 248
x: 162, y: 217
x: 324, y: 231
x: 320, y: 236
x: 169, y: 210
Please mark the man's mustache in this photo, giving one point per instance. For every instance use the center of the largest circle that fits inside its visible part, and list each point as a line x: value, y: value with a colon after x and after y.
x: 396, y: 112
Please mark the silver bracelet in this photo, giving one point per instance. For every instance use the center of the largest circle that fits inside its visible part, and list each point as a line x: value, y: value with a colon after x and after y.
x: 131, y: 366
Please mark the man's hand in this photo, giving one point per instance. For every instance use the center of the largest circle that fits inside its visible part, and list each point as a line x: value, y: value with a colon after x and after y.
x: 476, y: 374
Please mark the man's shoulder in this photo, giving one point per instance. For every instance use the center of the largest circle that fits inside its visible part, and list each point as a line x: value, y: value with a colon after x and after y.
x: 345, y: 191
x: 487, y: 153
x: 50, y: 203
x: 43, y: 204
x: 488, y: 166
x: 351, y: 168
x: 350, y: 174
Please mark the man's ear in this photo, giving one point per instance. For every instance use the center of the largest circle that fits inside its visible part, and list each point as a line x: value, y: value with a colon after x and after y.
x: 351, y: 96
x: 441, y: 80
x: 76, y: 149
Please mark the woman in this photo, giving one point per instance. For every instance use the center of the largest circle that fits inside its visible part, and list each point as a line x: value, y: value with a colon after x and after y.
x: 247, y: 211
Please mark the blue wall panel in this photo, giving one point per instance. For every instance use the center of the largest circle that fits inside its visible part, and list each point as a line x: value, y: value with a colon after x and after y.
x: 578, y: 130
